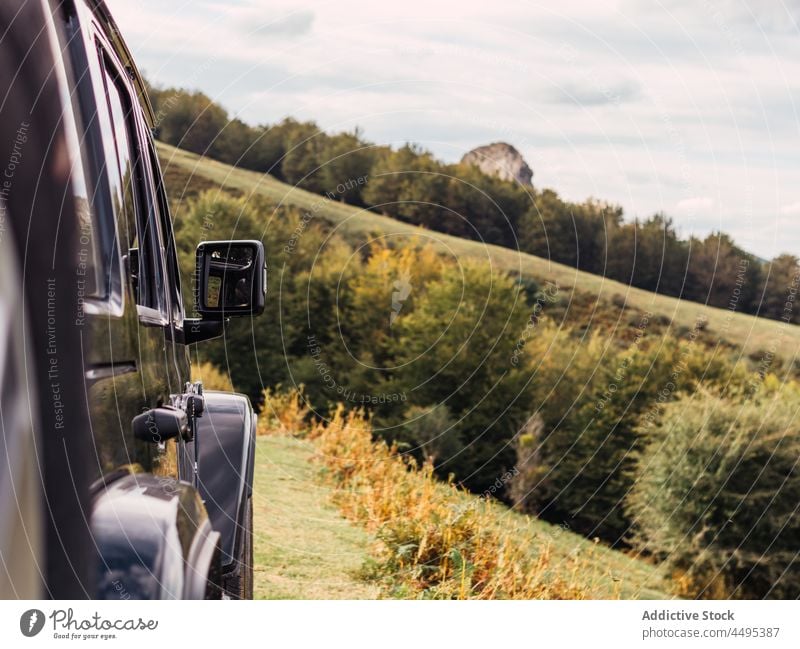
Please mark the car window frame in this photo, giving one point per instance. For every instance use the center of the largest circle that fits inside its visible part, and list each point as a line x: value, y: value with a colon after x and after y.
x: 88, y: 169
x: 157, y: 312
x: 166, y: 235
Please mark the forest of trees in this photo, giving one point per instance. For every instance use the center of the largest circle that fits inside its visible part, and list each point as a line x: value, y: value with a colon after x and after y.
x: 608, y: 431
x: 408, y: 183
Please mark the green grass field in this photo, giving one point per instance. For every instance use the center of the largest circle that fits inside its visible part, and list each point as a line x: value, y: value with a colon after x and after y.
x: 187, y: 171
x: 304, y: 549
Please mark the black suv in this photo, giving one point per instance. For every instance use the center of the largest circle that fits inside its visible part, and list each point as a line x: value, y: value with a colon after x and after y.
x: 119, y: 477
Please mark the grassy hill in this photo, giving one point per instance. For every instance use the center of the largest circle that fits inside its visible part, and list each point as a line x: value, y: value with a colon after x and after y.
x: 187, y: 173
x: 318, y: 538
x: 306, y: 549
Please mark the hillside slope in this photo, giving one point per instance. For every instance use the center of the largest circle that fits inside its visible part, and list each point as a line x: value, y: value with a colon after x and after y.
x: 304, y: 549
x: 187, y: 172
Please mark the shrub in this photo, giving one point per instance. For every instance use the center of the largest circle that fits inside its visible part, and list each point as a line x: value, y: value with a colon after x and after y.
x: 717, y: 496
x: 434, y: 541
x: 576, y: 464
x: 574, y: 456
x: 212, y: 377
x: 428, y: 434
x: 284, y: 412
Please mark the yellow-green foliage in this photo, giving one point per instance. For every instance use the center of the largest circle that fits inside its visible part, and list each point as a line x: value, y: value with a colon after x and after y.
x: 717, y: 495
x: 358, y: 225
x: 434, y: 540
x: 496, y: 352
x: 211, y: 376
x: 368, y: 311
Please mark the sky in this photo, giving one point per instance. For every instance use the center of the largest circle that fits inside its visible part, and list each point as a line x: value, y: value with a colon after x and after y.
x: 687, y: 107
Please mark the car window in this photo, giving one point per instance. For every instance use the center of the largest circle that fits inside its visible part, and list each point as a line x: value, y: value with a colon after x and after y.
x: 167, y: 237
x: 99, y: 273
x: 135, y: 217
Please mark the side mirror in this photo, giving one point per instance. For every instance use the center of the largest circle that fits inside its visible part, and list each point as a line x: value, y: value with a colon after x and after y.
x: 231, y: 279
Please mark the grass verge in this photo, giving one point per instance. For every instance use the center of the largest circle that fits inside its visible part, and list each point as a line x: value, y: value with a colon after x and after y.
x: 436, y: 541
x: 304, y: 548
x: 409, y: 535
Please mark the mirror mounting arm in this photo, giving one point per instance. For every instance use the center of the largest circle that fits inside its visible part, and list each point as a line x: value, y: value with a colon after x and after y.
x: 197, y: 330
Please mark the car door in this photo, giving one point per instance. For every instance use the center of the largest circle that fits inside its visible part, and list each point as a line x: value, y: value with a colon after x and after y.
x: 172, y: 276
x: 180, y: 379
x: 130, y: 361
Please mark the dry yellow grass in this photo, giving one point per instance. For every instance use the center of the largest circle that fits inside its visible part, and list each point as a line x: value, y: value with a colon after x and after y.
x: 429, y: 539
x: 283, y: 412
x: 211, y: 376
x: 434, y: 540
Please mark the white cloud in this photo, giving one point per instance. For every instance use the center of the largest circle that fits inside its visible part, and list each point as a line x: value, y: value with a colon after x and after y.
x: 289, y: 26
x: 675, y: 106
x: 793, y: 209
x: 696, y: 205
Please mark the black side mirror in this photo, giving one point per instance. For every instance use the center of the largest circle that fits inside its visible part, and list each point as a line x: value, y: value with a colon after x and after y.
x: 231, y: 279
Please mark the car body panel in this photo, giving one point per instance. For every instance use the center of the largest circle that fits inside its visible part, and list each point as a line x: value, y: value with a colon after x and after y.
x: 147, y: 530
x: 113, y: 518
x: 225, y: 444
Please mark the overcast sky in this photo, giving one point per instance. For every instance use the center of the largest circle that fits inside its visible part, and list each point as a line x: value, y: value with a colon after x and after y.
x: 690, y: 107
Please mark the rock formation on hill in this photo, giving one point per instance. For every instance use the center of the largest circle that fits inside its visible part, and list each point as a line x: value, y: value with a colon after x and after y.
x: 501, y: 160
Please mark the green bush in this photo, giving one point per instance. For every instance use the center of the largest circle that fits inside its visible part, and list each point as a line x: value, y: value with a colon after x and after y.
x: 428, y: 434
x: 592, y: 399
x: 717, y: 496
x: 575, y: 459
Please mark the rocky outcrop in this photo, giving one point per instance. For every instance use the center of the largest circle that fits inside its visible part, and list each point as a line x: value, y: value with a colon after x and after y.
x: 501, y: 160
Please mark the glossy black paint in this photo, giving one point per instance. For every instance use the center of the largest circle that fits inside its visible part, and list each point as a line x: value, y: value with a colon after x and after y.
x: 196, y: 330
x: 128, y: 326
x: 90, y: 237
x: 154, y: 538
x: 36, y: 191
x: 225, y: 446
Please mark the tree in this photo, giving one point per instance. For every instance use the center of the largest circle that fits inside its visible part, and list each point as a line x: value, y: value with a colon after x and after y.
x: 576, y: 234
x: 661, y: 258
x: 409, y: 184
x: 781, y: 285
x: 263, y: 151
x: 721, y: 274
x: 305, y: 147
x: 346, y: 166
x: 622, y: 253
x: 716, y: 499
x: 191, y: 121
x: 454, y: 350
x: 384, y: 291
